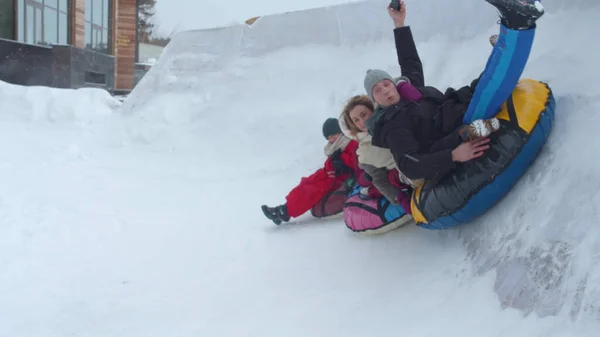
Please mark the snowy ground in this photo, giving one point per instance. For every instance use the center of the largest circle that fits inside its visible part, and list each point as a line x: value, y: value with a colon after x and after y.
x: 143, y: 218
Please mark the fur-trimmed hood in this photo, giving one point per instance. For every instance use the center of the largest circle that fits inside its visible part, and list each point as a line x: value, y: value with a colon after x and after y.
x: 368, y: 153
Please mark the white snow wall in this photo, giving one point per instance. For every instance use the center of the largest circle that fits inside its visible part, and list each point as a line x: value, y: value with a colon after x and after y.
x: 352, y: 24
x: 348, y: 24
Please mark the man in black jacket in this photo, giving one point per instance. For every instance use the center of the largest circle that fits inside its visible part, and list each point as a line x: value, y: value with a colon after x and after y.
x: 428, y: 135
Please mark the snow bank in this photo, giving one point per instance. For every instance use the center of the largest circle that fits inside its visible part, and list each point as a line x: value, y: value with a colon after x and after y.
x: 43, y: 104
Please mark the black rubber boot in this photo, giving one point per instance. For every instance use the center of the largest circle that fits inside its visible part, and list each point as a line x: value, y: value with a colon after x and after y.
x: 276, y: 214
x: 518, y: 14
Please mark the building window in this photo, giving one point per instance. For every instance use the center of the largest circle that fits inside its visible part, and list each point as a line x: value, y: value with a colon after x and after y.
x: 7, y: 20
x: 43, y: 22
x: 97, y: 25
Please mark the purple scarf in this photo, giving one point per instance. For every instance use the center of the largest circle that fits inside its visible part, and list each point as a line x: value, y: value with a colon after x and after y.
x: 407, y: 91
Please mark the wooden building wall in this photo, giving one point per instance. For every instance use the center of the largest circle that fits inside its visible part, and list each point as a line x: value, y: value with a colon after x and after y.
x: 125, y: 42
x: 78, y: 23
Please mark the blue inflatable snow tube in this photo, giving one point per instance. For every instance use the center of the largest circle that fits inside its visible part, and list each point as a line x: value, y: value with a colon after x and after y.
x: 472, y: 189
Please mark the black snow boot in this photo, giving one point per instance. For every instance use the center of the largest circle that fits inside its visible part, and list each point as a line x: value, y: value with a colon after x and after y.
x: 276, y: 214
x: 518, y: 14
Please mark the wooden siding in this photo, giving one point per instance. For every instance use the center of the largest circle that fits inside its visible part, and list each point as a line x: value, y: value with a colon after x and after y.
x: 125, y: 42
x: 78, y: 23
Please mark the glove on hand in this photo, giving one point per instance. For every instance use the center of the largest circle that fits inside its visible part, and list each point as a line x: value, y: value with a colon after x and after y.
x: 338, y: 164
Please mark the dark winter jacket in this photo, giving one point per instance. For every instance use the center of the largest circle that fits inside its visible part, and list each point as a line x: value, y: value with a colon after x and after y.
x: 421, y: 135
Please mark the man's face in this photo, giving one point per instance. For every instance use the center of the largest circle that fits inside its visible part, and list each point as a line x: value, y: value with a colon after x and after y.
x: 385, y: 93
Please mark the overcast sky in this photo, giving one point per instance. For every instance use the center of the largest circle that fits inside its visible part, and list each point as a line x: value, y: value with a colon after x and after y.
x: 177, y: 15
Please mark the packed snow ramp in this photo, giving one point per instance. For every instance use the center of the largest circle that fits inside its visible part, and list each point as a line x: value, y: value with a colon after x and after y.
x: 250, y: 100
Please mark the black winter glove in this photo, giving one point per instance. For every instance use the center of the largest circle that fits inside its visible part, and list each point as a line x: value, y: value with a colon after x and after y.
x: 336, y: 155
x: 338, y: 164
x: 340, y: 167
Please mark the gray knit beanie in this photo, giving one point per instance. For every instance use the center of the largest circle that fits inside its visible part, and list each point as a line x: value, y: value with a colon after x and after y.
x: 373, y: 77
x: 331, y: 127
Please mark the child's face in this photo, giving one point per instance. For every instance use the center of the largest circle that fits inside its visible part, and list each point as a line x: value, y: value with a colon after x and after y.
x: 331, y: 139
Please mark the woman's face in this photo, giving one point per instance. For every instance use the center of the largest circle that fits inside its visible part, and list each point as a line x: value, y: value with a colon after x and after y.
x: 359, y: 115
x: 385, y: 93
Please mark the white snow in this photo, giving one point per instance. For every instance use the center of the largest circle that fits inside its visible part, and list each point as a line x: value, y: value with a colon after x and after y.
x: 538, y: 6
x: 174, y: 16
x: 143, y: 219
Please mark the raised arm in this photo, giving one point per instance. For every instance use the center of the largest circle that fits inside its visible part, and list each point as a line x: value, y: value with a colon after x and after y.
x: 408, y: 57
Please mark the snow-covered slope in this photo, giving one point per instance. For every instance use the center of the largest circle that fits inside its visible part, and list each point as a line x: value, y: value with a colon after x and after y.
x: 144, y: 219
